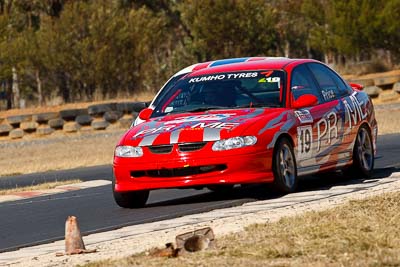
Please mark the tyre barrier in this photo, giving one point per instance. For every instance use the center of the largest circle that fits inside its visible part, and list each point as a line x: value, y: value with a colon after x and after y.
x: 385, y: 87
x: 96, y: 117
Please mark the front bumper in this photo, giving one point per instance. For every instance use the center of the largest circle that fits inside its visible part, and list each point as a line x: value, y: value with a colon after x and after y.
x: 174, y: 171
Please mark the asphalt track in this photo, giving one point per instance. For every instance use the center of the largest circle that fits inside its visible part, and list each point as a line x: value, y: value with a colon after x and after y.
x: 42, y: 219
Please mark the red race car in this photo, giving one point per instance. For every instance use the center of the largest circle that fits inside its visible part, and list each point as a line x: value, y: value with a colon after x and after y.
x: 245, y: 120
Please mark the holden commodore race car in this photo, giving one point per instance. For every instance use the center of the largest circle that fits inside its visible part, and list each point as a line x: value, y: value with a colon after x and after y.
x: 245, y: 120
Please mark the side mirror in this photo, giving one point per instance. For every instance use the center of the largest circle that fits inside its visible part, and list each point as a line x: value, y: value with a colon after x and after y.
x: 145, y: 114
x: 356, y: 86
x: 305, y: 101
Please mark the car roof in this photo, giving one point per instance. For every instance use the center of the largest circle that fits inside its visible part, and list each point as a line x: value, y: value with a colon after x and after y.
x: 241, y: 64
x: 221, y: 62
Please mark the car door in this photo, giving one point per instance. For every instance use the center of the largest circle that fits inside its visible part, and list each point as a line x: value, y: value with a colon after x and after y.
x: 313, y: 122
x: 303, y: 83
x: 332, y: 142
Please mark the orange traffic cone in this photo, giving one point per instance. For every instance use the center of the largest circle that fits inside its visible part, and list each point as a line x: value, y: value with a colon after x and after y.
x: 73, y: 238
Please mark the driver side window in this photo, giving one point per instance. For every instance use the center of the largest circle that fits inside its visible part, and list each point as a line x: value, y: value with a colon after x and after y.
x: 302, y: 83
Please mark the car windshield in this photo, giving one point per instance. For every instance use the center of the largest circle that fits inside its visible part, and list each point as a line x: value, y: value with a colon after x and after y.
x: 223, y: 91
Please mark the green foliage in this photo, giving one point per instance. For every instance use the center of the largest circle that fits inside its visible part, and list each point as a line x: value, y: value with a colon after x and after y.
x: 226, y: 28
x: 84, y: 50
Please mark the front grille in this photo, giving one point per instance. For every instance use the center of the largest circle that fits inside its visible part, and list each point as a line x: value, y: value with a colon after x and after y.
x: 178, y: 172
x: 191, y: 146
x: 163, y: 149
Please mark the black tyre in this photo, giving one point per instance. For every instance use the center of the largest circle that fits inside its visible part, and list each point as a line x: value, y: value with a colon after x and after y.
x: 363, y: 154
x: 132, y: 199
x: 284, y: 167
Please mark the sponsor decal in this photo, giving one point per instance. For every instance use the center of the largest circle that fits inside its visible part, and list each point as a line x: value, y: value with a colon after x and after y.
x: 206, y: 117
x: 228, y: 76
x: 304, y: 142
x: 354, y: 110
x: 328, y: 94
x: 155, y: 130
x: 304, y: 116
x: 268, y: 79
x: 195, y: 127
x: 326, y: 133
x: 327, y: 127
x: 216, y: 125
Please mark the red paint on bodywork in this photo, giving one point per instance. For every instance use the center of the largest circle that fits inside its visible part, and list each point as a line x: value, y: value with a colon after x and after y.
x: 252, y: 164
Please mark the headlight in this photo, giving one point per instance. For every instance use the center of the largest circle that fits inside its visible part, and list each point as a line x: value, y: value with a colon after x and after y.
x: 234, y: 142
x: 128, y: 151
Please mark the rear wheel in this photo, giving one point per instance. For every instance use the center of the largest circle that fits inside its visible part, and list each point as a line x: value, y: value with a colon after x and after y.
x: 284, y: 167
x: 130, y: 199
x: 363, y: 154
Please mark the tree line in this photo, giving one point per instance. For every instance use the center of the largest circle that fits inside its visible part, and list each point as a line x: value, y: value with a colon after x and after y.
x: 89, y: 50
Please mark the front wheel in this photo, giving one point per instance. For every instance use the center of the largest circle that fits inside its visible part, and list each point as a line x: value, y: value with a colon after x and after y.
x: 284, y: 167
x: 363, y: 154
x: 131, y: 199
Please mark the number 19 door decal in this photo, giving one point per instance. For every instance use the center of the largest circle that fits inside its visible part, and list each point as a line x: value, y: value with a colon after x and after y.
x: 304, y: 142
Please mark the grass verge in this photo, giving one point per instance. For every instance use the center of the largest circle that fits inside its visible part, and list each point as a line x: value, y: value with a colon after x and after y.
x: 59, y: 154
x: 360, y: 233
x: 44, y: 186
x: 388, y: 121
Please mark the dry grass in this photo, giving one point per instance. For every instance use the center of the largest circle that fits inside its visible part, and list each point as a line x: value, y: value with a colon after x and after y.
x: 360, y: 233
x: 44, y: 186
x: 56, y: 154
x: 388, y: 121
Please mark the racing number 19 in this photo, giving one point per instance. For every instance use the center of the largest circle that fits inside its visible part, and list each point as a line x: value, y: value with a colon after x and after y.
x: 304, y: 141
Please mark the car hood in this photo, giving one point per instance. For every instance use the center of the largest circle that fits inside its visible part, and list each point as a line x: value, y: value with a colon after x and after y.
x: 199, y: 127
